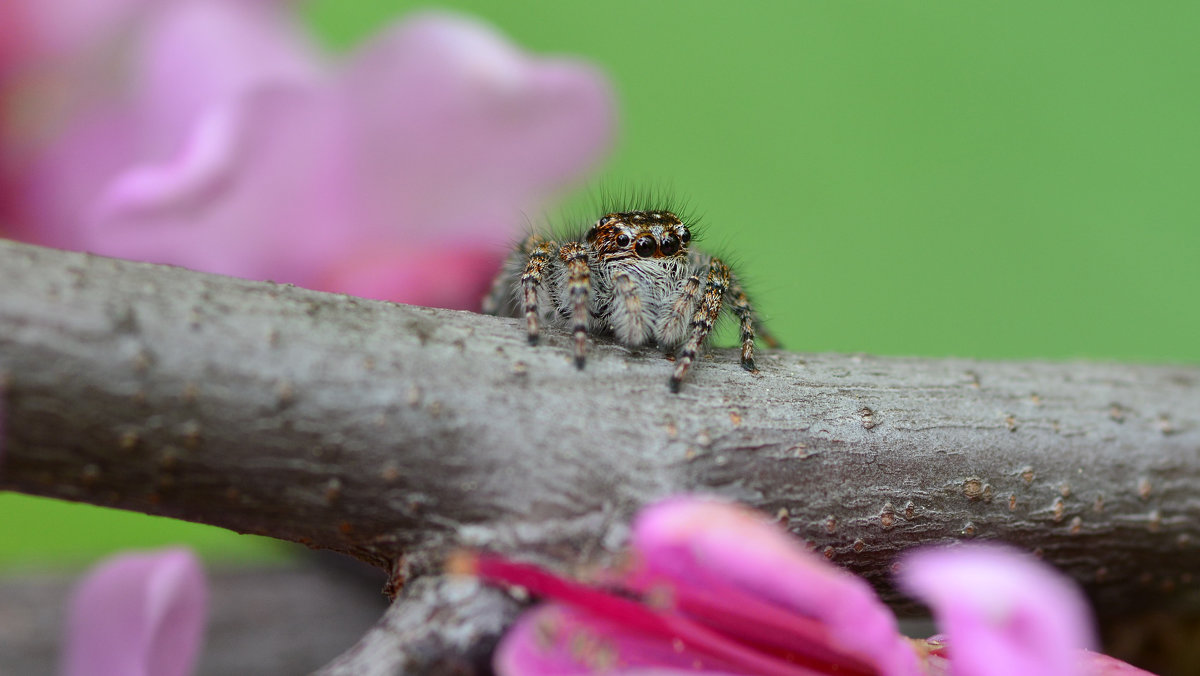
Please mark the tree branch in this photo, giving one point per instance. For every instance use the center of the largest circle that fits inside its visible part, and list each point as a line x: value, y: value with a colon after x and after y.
x: 391, y: 432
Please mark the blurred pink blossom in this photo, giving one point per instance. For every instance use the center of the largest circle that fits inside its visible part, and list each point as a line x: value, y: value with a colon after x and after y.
x: 137, y: 615
x: 215, y: 135
x: 716, y: 589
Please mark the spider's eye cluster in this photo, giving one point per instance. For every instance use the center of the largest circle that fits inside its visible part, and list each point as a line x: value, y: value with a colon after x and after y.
x: 645, y: 247
x: 685, y: 236
x: 622, y: 240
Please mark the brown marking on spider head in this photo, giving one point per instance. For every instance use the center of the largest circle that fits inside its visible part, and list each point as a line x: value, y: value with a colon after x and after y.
x: 639, y: 234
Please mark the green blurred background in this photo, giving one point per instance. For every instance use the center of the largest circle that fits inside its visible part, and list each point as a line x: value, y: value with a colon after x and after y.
x: 996, y: 180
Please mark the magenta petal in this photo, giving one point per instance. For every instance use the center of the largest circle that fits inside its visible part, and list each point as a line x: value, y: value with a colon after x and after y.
x: 1003, y: 612
x: 138, y: 615
x: 1096, y: 664
x: 722, y: 548
x: 558, y: 640
x: 452, y: 276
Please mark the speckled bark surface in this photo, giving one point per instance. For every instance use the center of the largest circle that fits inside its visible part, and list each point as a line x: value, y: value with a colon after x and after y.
x: 384, y: 430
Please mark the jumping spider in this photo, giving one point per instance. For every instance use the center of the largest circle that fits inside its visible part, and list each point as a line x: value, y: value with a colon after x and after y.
x: 631, y: 277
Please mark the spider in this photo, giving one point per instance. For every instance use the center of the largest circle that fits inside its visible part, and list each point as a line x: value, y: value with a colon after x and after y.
x: 631, y: 277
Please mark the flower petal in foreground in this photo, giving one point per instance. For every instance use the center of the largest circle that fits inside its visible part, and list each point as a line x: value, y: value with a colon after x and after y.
x: 137, y: 615
x: 714, y: 588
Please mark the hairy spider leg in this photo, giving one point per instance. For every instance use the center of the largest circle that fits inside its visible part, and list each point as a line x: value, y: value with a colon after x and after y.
x: 704, y: 318
x: 625, y: 316
x: 531, y: 281
x: 579, y: 282
x: 745, y: 314
x: 675, y: 322
x: 736, y: 290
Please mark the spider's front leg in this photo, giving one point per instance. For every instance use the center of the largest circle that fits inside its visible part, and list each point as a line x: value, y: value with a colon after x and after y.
x: 706, y: 314
x: 531, y: 281
x: 579, y: 282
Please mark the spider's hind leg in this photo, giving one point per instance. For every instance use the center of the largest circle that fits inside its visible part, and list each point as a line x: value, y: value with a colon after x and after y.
x: 750, y: 323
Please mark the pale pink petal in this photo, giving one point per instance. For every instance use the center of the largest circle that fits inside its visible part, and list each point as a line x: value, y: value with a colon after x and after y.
x: 727, y: 550
x: 194, y: 56
x: 207, y: 157
x: 231, y: 147
x: 137, y: 615
x: 270, y: 199
x: 558, y: 640
x: 455, y: 277
x: 456, y: 131
x: 1002, y: 612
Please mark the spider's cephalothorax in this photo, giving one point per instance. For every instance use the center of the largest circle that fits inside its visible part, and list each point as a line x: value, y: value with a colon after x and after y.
x: 632, y: 276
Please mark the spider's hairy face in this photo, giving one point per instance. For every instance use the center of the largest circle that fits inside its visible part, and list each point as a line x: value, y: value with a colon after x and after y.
x: 639, y: 234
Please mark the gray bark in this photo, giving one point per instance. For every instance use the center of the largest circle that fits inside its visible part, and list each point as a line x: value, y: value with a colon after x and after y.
x: 392, y: 432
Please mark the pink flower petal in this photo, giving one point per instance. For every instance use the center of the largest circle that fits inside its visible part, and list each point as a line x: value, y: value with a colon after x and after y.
x: 456, y: 130
x: 137, y: 615
x: 727, y: 550
x: 655, y: 632
x: 1002, y: 612
x: 558, y: 640
x: 1095, y: 664
x: 404, y: 176
x: 455, y: 277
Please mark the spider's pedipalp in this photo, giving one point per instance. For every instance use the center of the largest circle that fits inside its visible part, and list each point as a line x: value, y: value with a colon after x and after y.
x: 531, y: 281
x: 705, y: 316
x: 626, y: 314
x: 579, y: 281
x: 672, y: 328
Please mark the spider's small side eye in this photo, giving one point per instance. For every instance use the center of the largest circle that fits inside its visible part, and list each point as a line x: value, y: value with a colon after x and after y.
x: 685, y: 236
x: 645, y: 247
x: 604, y: 221
x: 591, y: 233
x: 622, y: 240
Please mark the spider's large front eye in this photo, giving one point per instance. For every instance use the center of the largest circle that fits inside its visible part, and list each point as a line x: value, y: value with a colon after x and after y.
x: 670, y: 244
x: 685, y: 236
x: 622, y: 240
x: 645, y: 247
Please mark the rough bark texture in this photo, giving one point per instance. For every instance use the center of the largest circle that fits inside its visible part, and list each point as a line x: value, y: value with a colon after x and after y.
x: 440, y: 625
x: 392, y: 432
